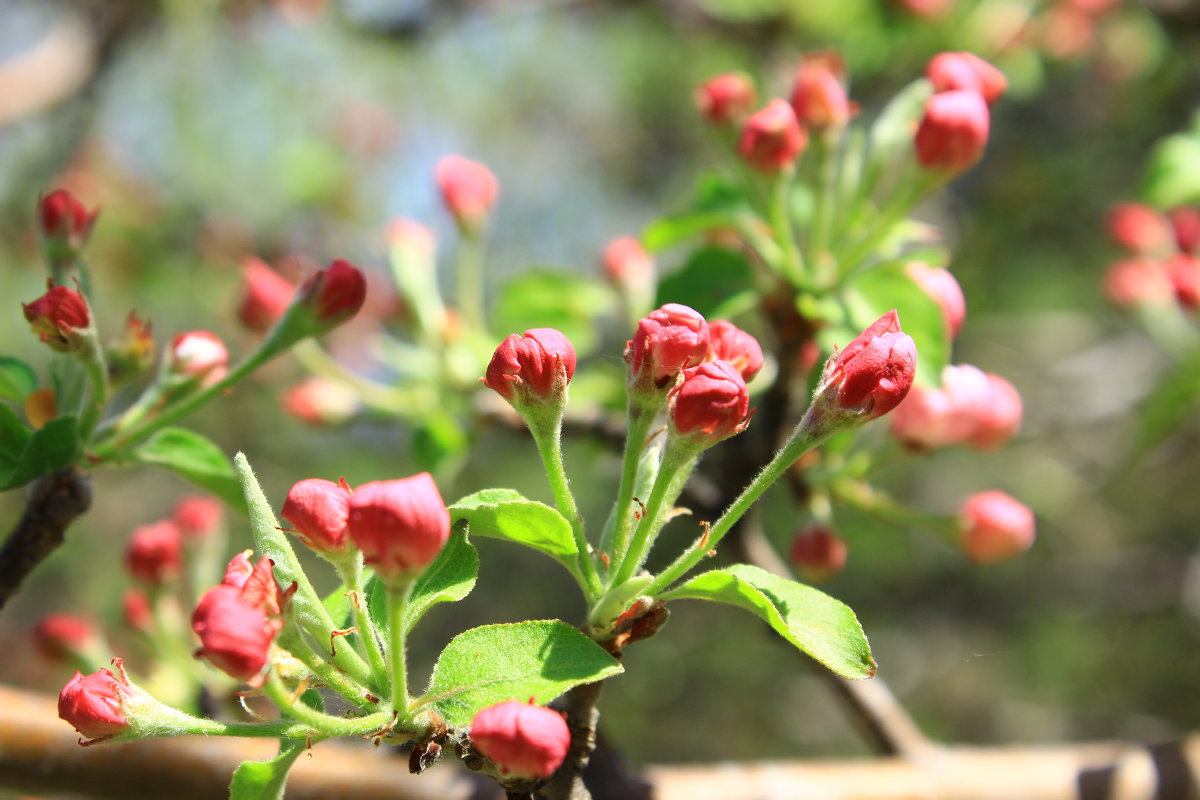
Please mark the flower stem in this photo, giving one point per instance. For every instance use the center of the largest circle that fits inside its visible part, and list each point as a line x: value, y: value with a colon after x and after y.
x: 640, y: 420
x: 293, y: 641
x: 93, y: 405
x: 397, y: 602
x: 329, y: 725
x: 468, y: 279
x: 351, y: 572
x: 677, y: 462
x: 314, y: 358
x: 781, y: 225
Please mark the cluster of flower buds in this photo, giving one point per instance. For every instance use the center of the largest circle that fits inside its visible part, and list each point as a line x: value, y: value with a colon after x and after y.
x: 1163, y: 261
x: 953, y: 131
x: 971, y: 407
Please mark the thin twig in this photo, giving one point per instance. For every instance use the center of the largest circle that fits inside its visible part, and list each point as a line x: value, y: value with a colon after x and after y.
x: 54, y: 501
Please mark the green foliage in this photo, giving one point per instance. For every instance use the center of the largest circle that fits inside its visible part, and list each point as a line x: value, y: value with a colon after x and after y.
x: 814, y: 622
x: 265, y: 780
x: 712, y: 280
x: 544, y: 299
x: 196, y: 459
x: 450, y: 578
x: 1172, y: 176
x: 539, y: 659
x: 17, y: 379
x: 26, y: 455
x: 1169, y: 406
x: 506, y: 514
x: 718, y: 204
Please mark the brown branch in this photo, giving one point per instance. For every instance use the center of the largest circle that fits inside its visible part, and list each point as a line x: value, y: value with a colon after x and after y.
x: 54, y: 501
x: 582, y: 718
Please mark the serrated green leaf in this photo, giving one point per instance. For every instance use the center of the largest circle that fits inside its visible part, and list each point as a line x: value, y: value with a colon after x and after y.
x: 541, y: 298
x: 264, y: 780
x: 711, y: 278
x: 488, y: 665
x: 879, y: 290
x: 518, y: 520
x: 450, y: 578
x: 197, y: 460
x: 814, y: 622
x: 27, y: 455
x: 17, y: 379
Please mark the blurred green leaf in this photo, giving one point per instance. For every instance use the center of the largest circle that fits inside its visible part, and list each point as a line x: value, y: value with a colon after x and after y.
x: 878, y: 291
x: 196, y: 459
x: 265, y: 780
x: 1168, y: 407
x: 337, y: 605
x: 17, y: 379
x: 26, y: 455
x: 718, y: 204
x: 710, y: 279
x: 13, y: 435
x: 814, y: 622
x: 892, y: 132
x: 1172, y: 176
x: 538, y: 659
x: 505, y: 514
x: 541, y: 298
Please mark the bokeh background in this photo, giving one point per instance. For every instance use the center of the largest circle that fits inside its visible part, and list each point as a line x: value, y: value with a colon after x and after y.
x: 299, y: 128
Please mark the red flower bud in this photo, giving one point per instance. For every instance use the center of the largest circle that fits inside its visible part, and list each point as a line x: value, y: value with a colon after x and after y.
x: 927, y: 9
x: 197, y: 516
x: 234, y: 636
x: 818, y: 553
x: 62, y: 637
x: 316, y: 401
x: 135, y: 609
x: 154, y: 554
x: 626, y: 262
x: 1140, y: 228
x: 940, y: 284
x: 727, y: 342
x: 256, y: 583
x: 335, y: 294
x: 1185, y: 224
x: 64, y: 219
x: 971, y: 407
x: 1138, y: 281
x: 725, y: 98
x: 469, y: 190
x: 667, y: 341
x: 876, y: 370
x: 92, y: 704
x: 1184, y: 273
x: 199, y: 355
x: 266, y: 295
x: 772, y: 138
x: 995, y: 527
x: 535, y: 366
x: 1000, y: 417
x: 711, y: 403
x: 59, y: 318
x: 953, y: 132
x: 399, y: 525
x: 522, y: 739
x: 818, y: 96
x: 318, y: 511
x: 950, y: 72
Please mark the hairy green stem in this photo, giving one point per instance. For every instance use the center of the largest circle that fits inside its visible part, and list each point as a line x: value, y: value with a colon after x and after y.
x: 397, y: 602
x: 677, y: 462
x: 621, y: 523
x: 781, y: 225
x: 93, y: 404
x: 293, y: 641
x: 351, y: 572
x: 325, y: 723
x: 468, y: 279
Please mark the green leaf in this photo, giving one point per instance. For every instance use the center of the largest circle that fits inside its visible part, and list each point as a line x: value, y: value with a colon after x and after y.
x: 505, y: 514
x: 196, y: 459
x: 265, y: 780
x: 718, y: 204
x: 543, y: 298
x: 26, y: 455
x: 17, y: 379
x: 1172, y: 175
x: 879, y: 290
x: 1168, y: 408
x: 539, y: 659
x: 814, y: 622
x: 450, y: 578
x: 337, y: 606
x: 892, y: 132
x: 712, y: 278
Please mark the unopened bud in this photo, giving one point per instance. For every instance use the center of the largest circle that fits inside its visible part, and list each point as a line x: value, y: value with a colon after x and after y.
x: 995, y: 527
x: 198, y: 355
x: 522, y: 739
x: 727, y: 342
x: 64, y: 224
x: 60, y: 318
x: 1140, y: 229
x: 400, y: 525
x: 532, y: 369
x: 939, y: 283
x: 316, y: 401
x: 318, y: 511
x: 1185, y: 224
x: 966, y: 71
x: 667, y: 341
x: 726, y: 98
x: 94, y: 704
x: 953, y: 132
x: 132, y: 353
x: 818, y: 94
x: 818, y: 553
x: 197, y: 516
x: 63, y: 637
x: 710, y: 403
x: 772, y: 138
x: 469, y: 190
x: 266, y: 295
x: 1138, y: 281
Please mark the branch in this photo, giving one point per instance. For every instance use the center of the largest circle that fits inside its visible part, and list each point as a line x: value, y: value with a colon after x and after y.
x: 54, y: 501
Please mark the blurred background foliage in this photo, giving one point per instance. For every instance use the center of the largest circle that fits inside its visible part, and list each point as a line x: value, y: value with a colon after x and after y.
x: 208, y: 131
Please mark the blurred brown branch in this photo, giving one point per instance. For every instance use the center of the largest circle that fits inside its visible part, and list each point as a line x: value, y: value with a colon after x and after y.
x: 54, y: 501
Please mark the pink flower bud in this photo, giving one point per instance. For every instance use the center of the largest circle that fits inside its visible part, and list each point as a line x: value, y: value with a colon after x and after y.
x: 60, y: 318
x: 410, y: 235
x: 1185, y: 224
x: 1184, y: 273
x: 1140, y: 228
x: 333, y: 295
x: 92, y: 704
x: 818, y: 553
x: 533, y: 367
x: 316, y: 401
x: 999, y: 418
x: 135, y: 610
x: 971, y: 407
x: 667, y: 341
x: 154, y: 554
x: 469, y: 190
x: 256, y: 583
x: 818, y: 96
x: 927, y: 9
x: 200, y: 355
x: 964, y: 71
x: 725, y: 98
x: 401, y: 525
x: 318, y: 511
x: 235, y: 637
x: 953, y: 132
x: 711, y: 403
x: 522, y: 739
x: 62, y: 637
x: 772, y: 138
x: 266, y: 295
x: 727, y: 342
x: 64, y: 219
x: 876, y: 370
x: 626, y: 262
x: 197, y: 516
x: 995, y: 527
x: 940, y: 284
x: 1138, y: 281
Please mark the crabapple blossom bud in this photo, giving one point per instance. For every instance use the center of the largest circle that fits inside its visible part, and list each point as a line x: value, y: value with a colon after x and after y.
x: 999, y: 418
x: 818, y: 553
x: 1140, y: 228
x: 135, y: 610
x: 93, y: 704
x: 256, y: 583
x: 532, y: 368
x: 64, y: 222
x: 1138, y: 281
x: 709, y: 404
x: 995, y: 527
x: 966, y: 71
x: 727, y: 342
x: 316, y: 401
x: 266, y: 295
x: 469, y: 190
x: 234, y: 636
x: 132, y: 353
x: 626, y: 263
x: 401, y: 525
x: 772, y: 138
x: 199, y: 355
x: 876, y: 370
x: 197, y: 516
x: 318, y: 511
x: 953, y: 131
x: 818, y: 96
x: 939, y: 283
x: 154, y: 554
x: 63, y: 637
x: 60, y: 318
x: 667, y: 341
x: 332, y: 295
x: 522, y: 739
x: 1185, y: 224
x: 1184, y: 273
x: 726, y: 98
x: 971, y: 407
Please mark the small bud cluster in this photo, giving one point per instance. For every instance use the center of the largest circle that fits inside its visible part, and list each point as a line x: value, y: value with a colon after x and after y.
x: 953, y: 132
x: 1163, y: 261
x: 971, y: 407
